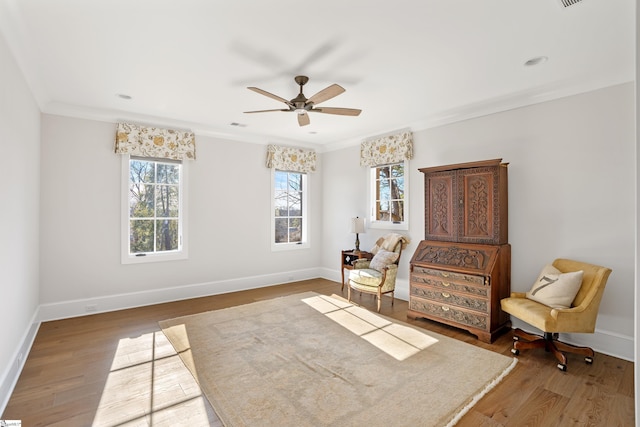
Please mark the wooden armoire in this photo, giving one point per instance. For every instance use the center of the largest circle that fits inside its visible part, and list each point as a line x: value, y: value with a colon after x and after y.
x: 462, y: 269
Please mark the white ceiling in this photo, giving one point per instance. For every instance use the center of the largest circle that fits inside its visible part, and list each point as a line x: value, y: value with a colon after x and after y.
x: 405, y: 63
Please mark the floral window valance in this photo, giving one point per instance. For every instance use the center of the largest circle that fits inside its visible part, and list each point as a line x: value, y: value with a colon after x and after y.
x: 155, y: 142
x: 291, y: 159
x: 387, y: 149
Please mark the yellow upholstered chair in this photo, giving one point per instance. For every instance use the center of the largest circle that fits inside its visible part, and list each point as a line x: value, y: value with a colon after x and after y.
x: 579, y: 317
x: 378, y: 275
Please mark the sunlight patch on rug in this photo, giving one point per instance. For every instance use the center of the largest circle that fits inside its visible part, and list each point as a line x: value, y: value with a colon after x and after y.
x: 398, y: 341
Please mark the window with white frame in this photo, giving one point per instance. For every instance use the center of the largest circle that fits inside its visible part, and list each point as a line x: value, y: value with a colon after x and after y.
x: 388, y: 195
x: 153, y: 219
x: 289, y: 221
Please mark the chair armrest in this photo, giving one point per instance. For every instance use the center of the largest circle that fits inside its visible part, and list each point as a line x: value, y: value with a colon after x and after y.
x: 555, y: 312
x: 361, y: 263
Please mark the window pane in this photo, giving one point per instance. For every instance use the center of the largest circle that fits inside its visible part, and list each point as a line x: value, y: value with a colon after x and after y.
x: 168, y: 173
x: 167, y: 201
x: 382, y: 172
x: 382, y: 211
x: 295, y: 204
x: 397, y: 189
x: 295, y: 229
x: 397, y: 211
x: 141, y: 237
x: 140, y: 200
x: 397, y: 170
x: 383, y: 190
x: 141, y: 171
x: 281, y: 203
x: 167, y: 235
x: 281, y: 180
x: 282, y: 230
x: 295, y: 182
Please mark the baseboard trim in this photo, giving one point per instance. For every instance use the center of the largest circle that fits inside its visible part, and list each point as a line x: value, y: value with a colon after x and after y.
x: 605, y: 342
x: 83, y: 307
x: 12, y: 372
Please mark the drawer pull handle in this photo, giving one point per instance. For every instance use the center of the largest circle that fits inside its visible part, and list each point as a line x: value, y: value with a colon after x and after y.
x: 445, y: 274
x: 445, y: 308
x: 446, y: 295
x: 445, y: 284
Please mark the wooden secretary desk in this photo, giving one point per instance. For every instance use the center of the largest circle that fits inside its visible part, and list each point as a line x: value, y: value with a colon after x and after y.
x: 462, y: 269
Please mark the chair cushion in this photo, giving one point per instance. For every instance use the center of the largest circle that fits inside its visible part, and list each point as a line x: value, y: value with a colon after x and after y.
x: 531, y: 312
x: 382, y: 259
x: 365, y: 277
x: 554, y: 288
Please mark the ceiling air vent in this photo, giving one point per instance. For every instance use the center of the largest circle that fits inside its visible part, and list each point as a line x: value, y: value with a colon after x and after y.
x: 567, y: 3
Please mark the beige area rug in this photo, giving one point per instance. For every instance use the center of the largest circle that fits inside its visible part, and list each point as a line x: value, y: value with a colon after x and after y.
x: 313, y: 360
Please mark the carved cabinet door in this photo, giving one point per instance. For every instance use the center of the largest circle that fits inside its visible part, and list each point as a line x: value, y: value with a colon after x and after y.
x: 467, y: 205
x: 441, y: 219
x: 479, y: 204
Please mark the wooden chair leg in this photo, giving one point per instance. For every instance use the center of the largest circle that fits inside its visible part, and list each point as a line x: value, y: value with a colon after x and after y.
x: 349, y: 293
x: 569, y: 348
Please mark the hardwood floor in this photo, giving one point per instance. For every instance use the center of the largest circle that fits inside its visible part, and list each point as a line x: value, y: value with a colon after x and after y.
x: 115, y: 369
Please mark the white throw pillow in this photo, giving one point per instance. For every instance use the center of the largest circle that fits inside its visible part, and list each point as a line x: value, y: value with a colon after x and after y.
x: 555, y: 288
x: 382, y: 259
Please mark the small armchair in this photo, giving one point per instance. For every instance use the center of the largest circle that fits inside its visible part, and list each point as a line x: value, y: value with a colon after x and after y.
x: 580, y: 317
x: 378, y: 275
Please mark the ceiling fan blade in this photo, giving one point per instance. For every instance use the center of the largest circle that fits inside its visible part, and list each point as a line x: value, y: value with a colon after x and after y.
x: 326, y: 94
x: 266, y: 111
x: 303, y: 119
x: 270, y: 95
x: 338, y: 111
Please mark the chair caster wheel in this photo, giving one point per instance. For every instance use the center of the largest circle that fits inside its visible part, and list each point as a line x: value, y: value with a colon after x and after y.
x: 562, y: 367
x: 588, y: 360
x: 515, y: 351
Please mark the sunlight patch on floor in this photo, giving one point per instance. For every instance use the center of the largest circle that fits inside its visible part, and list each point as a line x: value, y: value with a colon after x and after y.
x: 398, y: 341
x: 148, y: 385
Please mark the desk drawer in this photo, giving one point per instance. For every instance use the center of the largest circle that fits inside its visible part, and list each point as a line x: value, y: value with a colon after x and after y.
x: 445, y: 296
x: 449, y: 313
x: 451, y: 282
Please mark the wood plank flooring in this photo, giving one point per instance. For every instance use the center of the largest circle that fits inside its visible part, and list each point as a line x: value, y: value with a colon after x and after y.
x: 116, y: 369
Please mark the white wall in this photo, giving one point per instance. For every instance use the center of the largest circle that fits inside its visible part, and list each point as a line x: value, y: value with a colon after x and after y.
x: 229, y: 224
x: 19, y: 201
x: 571, y: 193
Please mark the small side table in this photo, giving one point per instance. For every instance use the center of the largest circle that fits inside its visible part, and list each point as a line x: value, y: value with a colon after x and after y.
x: 347, y: 257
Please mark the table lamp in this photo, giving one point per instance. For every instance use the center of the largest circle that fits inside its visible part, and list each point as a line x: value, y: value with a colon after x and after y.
x: 357, y: 226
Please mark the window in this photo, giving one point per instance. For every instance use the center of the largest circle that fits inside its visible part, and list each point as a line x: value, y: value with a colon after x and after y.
x: 290, y: 219
x: 389, y: 204
x: 153, y: 210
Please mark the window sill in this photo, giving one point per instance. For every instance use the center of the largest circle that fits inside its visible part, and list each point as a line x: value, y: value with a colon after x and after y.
x: 289, y: 246
x: 173, y: 256
x: 386, y: 225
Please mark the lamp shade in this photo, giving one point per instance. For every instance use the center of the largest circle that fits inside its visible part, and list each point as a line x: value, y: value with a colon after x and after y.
x: 357, y: 225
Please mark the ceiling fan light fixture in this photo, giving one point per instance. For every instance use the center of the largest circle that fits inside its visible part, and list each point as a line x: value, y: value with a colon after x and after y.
x: 302, y: 105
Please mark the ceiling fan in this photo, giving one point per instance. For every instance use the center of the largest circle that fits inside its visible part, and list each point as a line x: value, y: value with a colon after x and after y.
x: 301, y: 105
